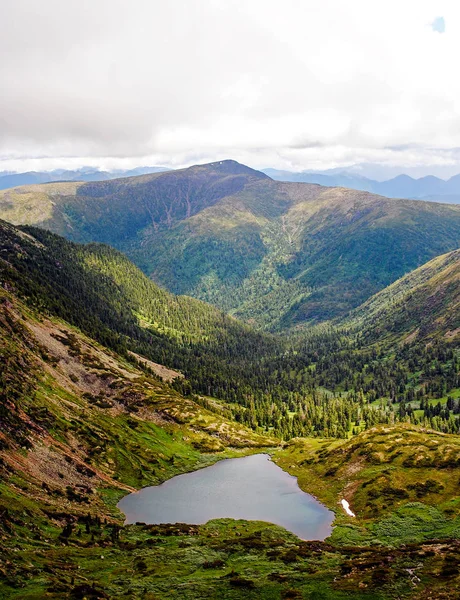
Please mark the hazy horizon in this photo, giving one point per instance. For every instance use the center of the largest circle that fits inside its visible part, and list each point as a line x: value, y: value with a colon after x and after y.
x: 375, y: 172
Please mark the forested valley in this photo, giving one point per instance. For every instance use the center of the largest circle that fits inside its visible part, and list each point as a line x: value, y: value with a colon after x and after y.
x: 325, y: 383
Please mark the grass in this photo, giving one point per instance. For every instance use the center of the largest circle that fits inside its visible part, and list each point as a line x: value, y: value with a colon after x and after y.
x: 61, y: 535
x: 401, y: 482
x: 222, y: 559
x: 399, y: 552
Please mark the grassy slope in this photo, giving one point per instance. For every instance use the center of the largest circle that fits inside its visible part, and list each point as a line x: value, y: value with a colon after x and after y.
x: 401, y: 482
x: 276, y: 254
x: 302, y: 252
x: 424, y: 303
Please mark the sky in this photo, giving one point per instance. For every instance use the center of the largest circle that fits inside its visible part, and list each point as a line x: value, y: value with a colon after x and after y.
x: 297, y: 84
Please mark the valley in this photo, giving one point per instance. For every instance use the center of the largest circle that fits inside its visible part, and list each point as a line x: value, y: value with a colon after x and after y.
x: 329, y: 340
x: 279, y: 256
x: 229, y: 300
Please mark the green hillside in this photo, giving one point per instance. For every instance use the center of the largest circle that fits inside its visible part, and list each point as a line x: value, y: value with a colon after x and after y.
x: 280, y: 255
x: 277, y: 255
x: 98, y: 290
x: 425, y: 304
x: 399, y: 349
x: 378, y: 472
x: 327, y: 383
x: 85, y: 417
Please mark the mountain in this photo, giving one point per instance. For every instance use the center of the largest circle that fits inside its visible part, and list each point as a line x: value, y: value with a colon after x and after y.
x: 342, y: 179
x: 398, y: 348
x: 277, y: 255
x: 429, y: 188
x: 9, y: 180
x: 98, y: 290
x: 404, y: 186
x: 384, y: 172
x: 424, y: 305
x: 116, y: 210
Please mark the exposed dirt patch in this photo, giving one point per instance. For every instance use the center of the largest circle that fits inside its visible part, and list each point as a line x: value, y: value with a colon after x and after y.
x: 163, y: 372
x: 56, y: 469
x: 453, y: 333
x: 354, y: 467
x: 77, y: 365
x: 411, y: 337
x: 161, y: 418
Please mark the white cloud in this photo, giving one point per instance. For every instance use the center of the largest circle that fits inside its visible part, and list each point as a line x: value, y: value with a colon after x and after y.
x: 298, y: 84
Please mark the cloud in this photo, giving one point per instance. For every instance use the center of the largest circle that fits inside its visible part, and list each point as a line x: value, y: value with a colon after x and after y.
x: 299, y: 85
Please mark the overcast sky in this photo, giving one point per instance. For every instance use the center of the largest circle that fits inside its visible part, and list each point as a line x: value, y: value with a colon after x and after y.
x: 292, y: 84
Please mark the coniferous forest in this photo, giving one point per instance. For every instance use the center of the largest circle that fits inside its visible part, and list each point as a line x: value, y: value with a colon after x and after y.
x: 109, y: 383
x: 325, y: 384
x: 229, y: 300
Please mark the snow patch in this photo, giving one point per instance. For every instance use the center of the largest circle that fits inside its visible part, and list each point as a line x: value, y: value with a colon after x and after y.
x: 347, y: 509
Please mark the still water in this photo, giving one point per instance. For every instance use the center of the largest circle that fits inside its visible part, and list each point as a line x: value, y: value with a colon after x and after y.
x: 251, y: 488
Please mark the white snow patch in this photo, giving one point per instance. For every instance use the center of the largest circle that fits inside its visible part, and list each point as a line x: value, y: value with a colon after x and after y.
x: 347, y: 509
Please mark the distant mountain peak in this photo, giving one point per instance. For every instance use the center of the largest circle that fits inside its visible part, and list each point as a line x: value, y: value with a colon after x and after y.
x: 402, y: 177
x: 232, y: 167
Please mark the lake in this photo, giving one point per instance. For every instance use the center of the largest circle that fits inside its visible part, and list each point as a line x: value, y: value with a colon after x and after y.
x: 252, y: 488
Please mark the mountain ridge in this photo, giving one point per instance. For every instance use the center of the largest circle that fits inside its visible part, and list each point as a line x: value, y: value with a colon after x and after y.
x: 420, y: 306
x: 428, y: 187
x: 9, y: 180
x: 274, y: 254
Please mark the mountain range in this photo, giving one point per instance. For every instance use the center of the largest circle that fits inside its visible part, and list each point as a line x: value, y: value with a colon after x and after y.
x: 276, y: 255
x: 9, y: 180
x: 429, y: 188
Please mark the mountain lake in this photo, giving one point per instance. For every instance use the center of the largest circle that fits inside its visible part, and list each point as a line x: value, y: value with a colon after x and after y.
x: 252, y: 488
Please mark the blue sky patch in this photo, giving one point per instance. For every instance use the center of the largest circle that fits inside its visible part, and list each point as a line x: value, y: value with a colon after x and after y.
x: 439, y: 25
